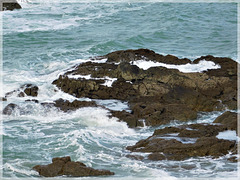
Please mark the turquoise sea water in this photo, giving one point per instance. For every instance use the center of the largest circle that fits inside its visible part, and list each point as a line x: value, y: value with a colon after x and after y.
x: 43, y: 39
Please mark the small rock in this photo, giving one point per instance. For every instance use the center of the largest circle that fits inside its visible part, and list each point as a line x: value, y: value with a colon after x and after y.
x: 8, y: 110
x: 32, y: 100
x: 64, y: 166
x: 21, y: 94
x: 3, y: 99
x: 10, y: 6
x: 66, y: 105
x: 31, y: 90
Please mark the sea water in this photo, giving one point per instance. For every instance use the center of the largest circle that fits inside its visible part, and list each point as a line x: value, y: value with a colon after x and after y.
x: 46, y: 38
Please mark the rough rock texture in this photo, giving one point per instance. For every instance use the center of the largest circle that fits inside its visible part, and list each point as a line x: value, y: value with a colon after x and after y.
x: 229, y: 119
x: 8, y: 110
x: 10, y: 6
x: 183, y: 142
x: 156, y: 95
x: 64, y: 166
x: 65, y: 105
x: 30, y: 90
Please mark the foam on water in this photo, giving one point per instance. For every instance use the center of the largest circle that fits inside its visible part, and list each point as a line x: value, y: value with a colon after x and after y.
x: 203, y: 65
x: 108, y: 81
x: 228, y: 135
x: 48, y: 38
x: 183, y: 140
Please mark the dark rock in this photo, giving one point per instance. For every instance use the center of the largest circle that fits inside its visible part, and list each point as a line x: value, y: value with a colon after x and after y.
x: 32, y: 100
x: 156, y: 95
x: 228, y: 66
x: 8, y: 110
x: 127, y: 117
x: 206, y: 143
x: 229, y: 119
x: 31, y: 90
x: 3, y: 99
x: 233, y: 159
x: 176, y: 150
x: 64, y: 166
x: 26, y: 89
x: 66, y: 105
x: 21, y: 94
x: 10, y: 6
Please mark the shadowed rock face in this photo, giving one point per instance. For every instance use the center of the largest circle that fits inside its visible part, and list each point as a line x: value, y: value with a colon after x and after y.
x: 64, y: 166
x: 157, y: 95
x: 11, y: 6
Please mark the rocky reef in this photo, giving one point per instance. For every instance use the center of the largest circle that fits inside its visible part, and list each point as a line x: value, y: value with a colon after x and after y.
x: 194, y: 140
x: 64, y: 166
x: 157, y: 94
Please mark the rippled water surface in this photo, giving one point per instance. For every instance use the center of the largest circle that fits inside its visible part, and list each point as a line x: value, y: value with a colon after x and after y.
x: 44, y: 39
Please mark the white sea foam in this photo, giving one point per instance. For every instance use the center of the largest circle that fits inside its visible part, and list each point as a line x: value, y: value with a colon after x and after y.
x: 203, y: 65
x: 228, y: 135
x: 183, y: 140
x: 113, y: 104
x: 108, y: 81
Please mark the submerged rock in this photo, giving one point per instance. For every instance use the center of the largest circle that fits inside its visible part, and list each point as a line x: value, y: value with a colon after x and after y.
x: 3, y: 99
x: 64, y: 166
x: 155, y: 95
x: 8, y: 110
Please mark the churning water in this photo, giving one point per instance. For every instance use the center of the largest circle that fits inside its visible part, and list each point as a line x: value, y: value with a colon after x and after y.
x: 44, y: 39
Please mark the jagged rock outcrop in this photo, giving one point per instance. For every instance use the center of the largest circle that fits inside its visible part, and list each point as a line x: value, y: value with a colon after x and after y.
x: 64, y: 166
x: 158, y: 94
x: 186, y: 141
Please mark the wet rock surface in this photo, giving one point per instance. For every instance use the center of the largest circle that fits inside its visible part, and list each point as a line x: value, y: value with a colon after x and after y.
x: 156, y: 95
x: 24, y: 90
x: 30, y: 90
x: 228, y: 119
x: 10, y: 6
x: 64, y: 166
x: 66, y: 105
x: 186, y: 141
x: 9, y: 109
